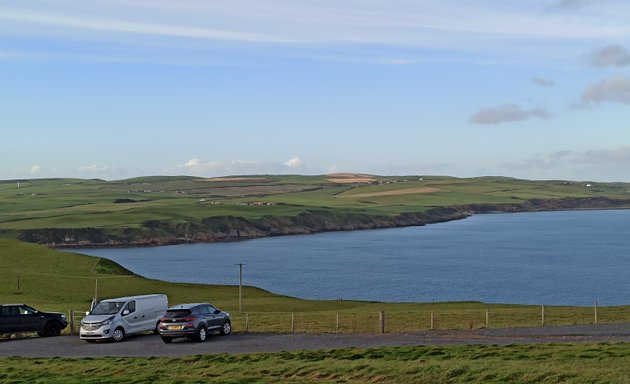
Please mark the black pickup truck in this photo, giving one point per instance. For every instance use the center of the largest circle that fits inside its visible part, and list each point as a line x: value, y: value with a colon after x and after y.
x: 18, y: 318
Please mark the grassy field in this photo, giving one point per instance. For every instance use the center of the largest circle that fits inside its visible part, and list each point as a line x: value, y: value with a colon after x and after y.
x: 60, y: 281
x: 54, y: 280
x: 535, y: 364
x: 77, y: 203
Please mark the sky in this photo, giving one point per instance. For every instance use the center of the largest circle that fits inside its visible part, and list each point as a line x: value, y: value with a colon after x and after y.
x: 112, y: 89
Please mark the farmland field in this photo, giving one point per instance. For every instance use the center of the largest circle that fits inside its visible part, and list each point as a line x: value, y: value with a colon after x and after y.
x: 166, y: 210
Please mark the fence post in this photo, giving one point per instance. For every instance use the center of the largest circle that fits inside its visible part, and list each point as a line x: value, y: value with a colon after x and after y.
x: 596, y: 312
x: 487, y: 319
x: 432, y: 321
x: 71, y: 318
x: 542, y: 315
x: 381, y: 321
x: 337, y: 328
x: 292, y: 322
x: 247, y: 322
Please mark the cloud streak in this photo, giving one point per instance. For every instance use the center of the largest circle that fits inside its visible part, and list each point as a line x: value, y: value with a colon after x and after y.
x: 444, y: 25
x: 542, y: 82
x: 615, y: 89
x: 200, y: 167
x: 593, y: 164
x: 610, y: 56
x: 572, y: 4
x: 507, y: 113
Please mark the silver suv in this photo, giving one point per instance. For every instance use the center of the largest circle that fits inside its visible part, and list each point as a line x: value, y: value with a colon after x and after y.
x: 194, y: 320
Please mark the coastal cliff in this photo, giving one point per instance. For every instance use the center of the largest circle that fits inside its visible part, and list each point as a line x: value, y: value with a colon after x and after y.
x: 229, y: 228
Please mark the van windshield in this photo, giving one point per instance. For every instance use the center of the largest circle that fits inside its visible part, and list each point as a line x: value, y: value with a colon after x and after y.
x: 107, y: 308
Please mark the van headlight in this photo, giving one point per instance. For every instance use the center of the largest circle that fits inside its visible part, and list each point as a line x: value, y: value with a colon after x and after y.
x: 107, y: 321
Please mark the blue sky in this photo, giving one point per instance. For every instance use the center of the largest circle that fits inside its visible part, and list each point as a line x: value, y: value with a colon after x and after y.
x: 536, y: 89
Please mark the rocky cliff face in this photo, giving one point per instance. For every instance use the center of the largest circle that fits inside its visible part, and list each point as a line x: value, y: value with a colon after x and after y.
x: 223, y: 228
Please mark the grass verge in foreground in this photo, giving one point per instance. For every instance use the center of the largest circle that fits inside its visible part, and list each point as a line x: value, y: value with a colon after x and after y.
x: 549, y: 363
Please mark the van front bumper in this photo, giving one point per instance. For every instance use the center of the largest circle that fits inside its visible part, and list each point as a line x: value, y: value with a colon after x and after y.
x: 89, y: 332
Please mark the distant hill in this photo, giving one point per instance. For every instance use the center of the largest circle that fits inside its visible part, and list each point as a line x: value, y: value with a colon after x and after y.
x: 175, y: 209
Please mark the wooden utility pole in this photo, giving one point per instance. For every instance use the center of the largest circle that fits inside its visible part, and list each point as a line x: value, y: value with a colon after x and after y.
x: 240, y: 286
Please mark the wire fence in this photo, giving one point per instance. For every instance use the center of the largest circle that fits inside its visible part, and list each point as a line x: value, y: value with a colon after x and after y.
x: 411, y: 321
x: 417, y: 321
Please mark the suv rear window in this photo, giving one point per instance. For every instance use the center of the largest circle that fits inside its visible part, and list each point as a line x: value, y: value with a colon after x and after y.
x: 175, y: 313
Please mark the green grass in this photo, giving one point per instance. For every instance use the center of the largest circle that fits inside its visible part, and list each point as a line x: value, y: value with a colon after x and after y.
x: 61, y: 281
x: 534, y: 364
x: 76, y: 203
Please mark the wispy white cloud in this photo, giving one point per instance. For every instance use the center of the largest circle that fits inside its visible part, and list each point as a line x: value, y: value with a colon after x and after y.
x: 572, y: 4
x: 542, y: 82
x: 603, y: 164
x: 137, y: 27
x: 480, y: 25
x: 198, y: 167
x: 36, y: 169
x: 615, y: 89
x: 92, y: 168
x: 609, y: 56
x: 294, y: 162
x: 507, y: 113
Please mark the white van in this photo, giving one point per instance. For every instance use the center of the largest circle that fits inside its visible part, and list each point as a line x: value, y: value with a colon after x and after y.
x: 116, y: 318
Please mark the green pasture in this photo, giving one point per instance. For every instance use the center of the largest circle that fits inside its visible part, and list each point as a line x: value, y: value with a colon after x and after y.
x: 77, y: 203
x: 62, y: 281
x: 532, y: 364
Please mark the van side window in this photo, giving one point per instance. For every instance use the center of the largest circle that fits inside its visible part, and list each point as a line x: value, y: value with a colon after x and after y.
x: 131, y: 306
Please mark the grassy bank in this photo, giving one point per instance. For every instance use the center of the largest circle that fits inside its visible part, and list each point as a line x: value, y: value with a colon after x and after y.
x: 60, y: 281
x: 539, y: 364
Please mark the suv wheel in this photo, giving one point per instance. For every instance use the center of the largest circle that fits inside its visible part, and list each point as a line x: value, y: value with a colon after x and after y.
x: 52, y: 329
x: 226, y: 329
x: 202, y: 335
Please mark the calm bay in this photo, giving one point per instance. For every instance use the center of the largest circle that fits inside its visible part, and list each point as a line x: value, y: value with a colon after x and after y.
x: 560, y: 258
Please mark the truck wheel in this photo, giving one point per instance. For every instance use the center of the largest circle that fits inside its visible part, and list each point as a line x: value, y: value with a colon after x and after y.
x: 118, y: 334
x: 52, y: 329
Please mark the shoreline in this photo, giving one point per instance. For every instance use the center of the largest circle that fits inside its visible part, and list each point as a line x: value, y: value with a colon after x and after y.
x: 232, y: 228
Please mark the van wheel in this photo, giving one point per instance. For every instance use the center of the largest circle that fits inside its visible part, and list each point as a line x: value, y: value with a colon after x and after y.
x: 157, y: 328
x: 226, y: 329
x: 52, y: 329
x: 202, y: 335
x: 118, y: 334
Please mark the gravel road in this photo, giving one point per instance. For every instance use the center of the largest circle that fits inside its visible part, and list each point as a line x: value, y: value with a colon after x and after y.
x: 151, y: 345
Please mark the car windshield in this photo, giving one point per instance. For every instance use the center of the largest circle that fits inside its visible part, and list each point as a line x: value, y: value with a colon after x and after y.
x: 175, y: 313
x: 107, y: 308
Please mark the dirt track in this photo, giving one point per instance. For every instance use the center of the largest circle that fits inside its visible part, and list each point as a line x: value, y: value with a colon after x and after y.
x: 151, y: 345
